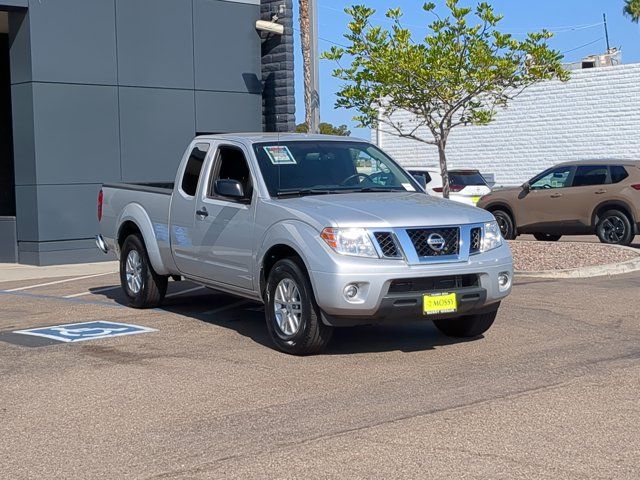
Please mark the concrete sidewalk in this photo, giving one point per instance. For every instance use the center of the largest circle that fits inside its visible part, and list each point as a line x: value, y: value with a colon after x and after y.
x: 14, y: 272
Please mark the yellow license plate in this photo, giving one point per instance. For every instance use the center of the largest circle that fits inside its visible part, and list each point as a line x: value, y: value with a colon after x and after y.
x: 437, y: 303
x: 475, y: 199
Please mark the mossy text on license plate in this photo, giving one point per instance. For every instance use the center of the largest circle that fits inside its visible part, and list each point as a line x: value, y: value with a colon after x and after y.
x: 437, y: 303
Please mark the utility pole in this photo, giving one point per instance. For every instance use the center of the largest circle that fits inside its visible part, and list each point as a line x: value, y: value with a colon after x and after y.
x: 314, y: 126
x: 606, y: 32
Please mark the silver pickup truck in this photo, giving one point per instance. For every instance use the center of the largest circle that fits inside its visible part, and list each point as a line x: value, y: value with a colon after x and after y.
x: 325, y: 231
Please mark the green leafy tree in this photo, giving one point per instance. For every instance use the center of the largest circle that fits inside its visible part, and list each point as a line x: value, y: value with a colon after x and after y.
x: 632, y: 10
x: 460, y: 73
x: 326, y: 129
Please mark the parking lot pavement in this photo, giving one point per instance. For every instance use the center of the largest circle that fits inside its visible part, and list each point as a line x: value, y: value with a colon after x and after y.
x: 550, y: 392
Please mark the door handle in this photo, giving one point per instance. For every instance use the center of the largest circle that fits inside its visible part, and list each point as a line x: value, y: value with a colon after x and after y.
x: 202, y: 213
x: 557, y: 195
x: 600, y: 192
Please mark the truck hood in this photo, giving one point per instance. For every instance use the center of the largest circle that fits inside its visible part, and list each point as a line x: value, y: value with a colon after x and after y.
x: 382, y: 210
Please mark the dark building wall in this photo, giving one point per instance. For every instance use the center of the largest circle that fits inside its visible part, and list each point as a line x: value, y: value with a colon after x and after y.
x: 278, y: 99
x: 113, y: 90
x: 7, y: 193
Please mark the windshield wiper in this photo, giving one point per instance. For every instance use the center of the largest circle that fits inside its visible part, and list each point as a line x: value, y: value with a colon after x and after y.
x: 301, y: 192
x: 376, y: 189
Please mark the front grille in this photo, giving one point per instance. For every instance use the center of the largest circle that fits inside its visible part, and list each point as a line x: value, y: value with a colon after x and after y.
x: 476, y: 240
x: 428, y: 284
x: 435, y: 242
x: 387, y: 244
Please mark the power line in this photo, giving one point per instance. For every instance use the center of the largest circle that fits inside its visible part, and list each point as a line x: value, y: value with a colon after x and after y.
x: 555, y: 30
x: 582, y: 46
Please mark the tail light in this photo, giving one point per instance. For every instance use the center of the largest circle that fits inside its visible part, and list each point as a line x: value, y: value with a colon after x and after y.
x: 100, y: 200
x: 636, y: 186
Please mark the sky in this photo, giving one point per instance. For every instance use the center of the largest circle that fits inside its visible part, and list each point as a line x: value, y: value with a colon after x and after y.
x: 577, y: 24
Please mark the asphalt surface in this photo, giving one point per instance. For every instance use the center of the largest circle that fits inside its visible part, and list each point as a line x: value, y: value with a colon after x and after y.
x: 550, y: 392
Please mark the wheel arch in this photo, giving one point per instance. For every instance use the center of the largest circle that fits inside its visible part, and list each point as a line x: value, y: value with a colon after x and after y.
x: 134, y: 219
x: 613, y: 205
x: 492, y: 207
x: 275, y: 253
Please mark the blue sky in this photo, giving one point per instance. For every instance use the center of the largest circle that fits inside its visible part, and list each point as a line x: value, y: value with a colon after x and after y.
x: 575, y: 22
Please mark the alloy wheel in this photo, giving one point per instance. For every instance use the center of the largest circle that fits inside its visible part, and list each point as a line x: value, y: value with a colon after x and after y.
x: 614, y: 229
x: 133, y: 270
x: 288, y: 307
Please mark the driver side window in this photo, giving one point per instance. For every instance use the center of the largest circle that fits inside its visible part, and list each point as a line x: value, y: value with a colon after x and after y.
x: 556, y: 178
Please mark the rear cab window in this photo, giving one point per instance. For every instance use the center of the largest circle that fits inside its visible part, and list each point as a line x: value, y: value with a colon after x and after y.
x: 193, y: 169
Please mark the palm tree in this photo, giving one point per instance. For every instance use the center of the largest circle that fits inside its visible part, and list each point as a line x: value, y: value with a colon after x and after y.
x: 305, y: 36
x: 632, y: 9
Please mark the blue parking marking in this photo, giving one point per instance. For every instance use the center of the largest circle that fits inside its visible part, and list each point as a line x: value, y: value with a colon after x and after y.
x: 79, y: 332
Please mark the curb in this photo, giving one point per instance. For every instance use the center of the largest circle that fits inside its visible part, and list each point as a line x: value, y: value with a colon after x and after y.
x: 628, y: 266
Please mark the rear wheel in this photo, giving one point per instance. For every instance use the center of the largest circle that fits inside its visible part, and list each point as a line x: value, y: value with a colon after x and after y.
x: 506, y: 224
x: 143, y: 287
x: 546, y: 237
x: 467, y: 327
x: 614, y: 227
x: 292, y: 315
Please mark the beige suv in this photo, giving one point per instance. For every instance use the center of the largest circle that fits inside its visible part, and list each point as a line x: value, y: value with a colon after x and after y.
x: 575, y: 198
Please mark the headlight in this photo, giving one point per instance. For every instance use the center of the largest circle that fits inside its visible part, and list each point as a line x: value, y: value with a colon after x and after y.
x: 492, y: 237
x: 349, y: 241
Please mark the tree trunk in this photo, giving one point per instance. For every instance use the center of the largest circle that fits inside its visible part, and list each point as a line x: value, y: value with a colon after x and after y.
x: 305, y: 41
x: 443, y: 169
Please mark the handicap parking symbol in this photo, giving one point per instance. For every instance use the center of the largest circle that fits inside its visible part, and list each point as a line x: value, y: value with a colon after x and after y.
x: 79, y: 332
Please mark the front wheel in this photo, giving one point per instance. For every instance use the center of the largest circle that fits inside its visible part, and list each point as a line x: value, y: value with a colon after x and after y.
x: 546, y: 237
x: 143, y: 287
x: 615, y: 228
x: 467, y: 327
x: 506, y: 224
x: 292, y: 315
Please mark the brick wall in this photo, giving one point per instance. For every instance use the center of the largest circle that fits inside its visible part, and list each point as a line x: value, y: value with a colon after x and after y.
x: 595, y: 115
x: 278, y: 95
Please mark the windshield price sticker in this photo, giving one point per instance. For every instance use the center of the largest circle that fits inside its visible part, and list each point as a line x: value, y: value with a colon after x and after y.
x: 280, y: 155
x: 408, y: 187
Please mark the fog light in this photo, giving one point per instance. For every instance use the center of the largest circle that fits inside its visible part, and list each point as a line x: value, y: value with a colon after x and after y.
x: 504, y: 281
x: 351, y: 292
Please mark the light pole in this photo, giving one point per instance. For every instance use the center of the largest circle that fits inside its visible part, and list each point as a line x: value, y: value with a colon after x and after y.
x: 314, y: 124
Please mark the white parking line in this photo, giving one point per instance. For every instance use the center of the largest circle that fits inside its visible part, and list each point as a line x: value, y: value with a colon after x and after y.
x: 226, y: 307
x: 175, y: 294
x: 97, y: 290
x: 59, y: 281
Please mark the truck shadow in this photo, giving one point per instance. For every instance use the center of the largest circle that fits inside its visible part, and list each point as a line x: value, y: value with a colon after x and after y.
x: 247, y: 319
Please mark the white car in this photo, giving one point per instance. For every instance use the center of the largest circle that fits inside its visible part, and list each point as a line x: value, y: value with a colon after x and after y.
x: 467, y: 186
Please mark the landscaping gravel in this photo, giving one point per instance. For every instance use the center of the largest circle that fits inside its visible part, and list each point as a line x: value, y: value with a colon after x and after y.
x: 543, y: 256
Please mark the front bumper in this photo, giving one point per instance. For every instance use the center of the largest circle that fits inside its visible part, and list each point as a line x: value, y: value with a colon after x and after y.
x: 375, y: 303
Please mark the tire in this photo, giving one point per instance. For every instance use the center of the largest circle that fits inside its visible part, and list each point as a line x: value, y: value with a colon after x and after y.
x: 615, y: 228
x: 310, y: 336
x: 152, y: 287
x: 467, y: 327
x: 546, y: 237
x: 506, y: 224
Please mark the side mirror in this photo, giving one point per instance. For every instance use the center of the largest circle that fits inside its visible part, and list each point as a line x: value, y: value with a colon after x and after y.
x: 526, y: 186
x: 421, y: 179
x: 229, y: 188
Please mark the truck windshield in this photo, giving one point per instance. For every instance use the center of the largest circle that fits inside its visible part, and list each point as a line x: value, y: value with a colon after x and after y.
x: 322, y: 167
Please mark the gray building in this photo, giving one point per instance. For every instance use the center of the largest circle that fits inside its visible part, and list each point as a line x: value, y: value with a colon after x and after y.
x: 95, y: 91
